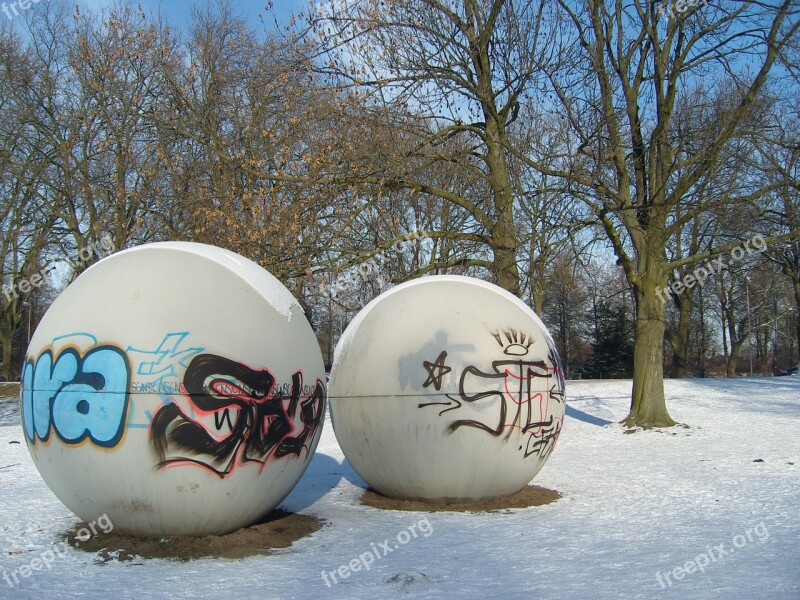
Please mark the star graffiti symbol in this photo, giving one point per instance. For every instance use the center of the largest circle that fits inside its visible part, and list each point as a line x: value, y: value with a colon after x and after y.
x: 436, y: 370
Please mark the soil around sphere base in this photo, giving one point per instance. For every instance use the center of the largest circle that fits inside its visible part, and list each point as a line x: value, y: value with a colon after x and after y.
x: 280, y: 529
x: 530, y: 495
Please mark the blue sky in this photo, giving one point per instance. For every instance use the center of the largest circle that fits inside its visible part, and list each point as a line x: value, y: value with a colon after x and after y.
x: 176, y: 12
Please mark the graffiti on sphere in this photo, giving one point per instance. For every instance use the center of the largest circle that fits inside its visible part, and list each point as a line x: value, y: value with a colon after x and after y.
x: 517, y: 393
x: 254, y: 420
x: 77, y: 395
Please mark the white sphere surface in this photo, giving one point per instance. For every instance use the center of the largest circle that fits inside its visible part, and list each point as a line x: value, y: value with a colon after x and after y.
x: 174, y: 388
x: 447, y: 389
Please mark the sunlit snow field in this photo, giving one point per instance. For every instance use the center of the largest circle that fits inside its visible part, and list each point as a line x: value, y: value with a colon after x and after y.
x: 640, y: 514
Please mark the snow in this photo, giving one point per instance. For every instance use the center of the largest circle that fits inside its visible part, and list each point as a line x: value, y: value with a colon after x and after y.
x: 634, y: 507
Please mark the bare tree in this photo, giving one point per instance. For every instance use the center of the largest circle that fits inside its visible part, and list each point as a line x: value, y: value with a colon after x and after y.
x: 780, y: 154
x: 24, y: 220
x: 463, y: 69
x: 93, y: 88
x: 247, y: 131
x: 116, y: 65
x: 632, y: 64
x: 565, y: 308
x: 736, y: 306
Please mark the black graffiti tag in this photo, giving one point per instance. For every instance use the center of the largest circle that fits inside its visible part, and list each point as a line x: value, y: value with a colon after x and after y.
x: 255, y: 420
x: 510, y: 387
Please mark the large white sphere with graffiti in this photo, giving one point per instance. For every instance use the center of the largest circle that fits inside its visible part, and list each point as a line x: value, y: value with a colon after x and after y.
x: 176, y: 388
x: 447, y: 389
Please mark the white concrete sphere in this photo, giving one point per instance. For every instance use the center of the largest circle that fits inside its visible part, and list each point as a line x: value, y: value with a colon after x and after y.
x: 175, y: 388
x: 447, y: 389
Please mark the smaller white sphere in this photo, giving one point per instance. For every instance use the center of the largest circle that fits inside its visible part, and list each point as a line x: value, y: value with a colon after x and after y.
x: 447, y: 389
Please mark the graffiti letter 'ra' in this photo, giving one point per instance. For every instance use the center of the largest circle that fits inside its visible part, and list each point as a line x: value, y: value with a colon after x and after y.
x: 76, y: 396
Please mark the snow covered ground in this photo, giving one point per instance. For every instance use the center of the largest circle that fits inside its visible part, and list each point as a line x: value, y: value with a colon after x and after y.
x: 709, y: 511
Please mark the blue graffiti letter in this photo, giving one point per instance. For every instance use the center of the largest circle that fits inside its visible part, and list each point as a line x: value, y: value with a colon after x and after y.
x: 78, y: 397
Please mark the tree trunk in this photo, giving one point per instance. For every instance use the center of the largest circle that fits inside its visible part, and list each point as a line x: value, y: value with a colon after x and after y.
x: 537, y: 279
x: 329, y: 345
x: 565, y: 335
x: 736, y: 339
x: 504, y: 266
x: 504, y: 235
x: 701, y: 360
x: 733, y: 358
x: 6, y: 339
x: 648, y: 406
x: 797, y: 304
x: 679, y: 340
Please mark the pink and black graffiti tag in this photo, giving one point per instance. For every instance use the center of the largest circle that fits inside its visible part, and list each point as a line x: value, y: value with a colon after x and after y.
x: 269, y: 422
x: 506, y: 398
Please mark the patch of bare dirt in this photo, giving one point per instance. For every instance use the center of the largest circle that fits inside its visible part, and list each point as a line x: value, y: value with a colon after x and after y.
x: 532, y: 495
x: 279, y: 530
